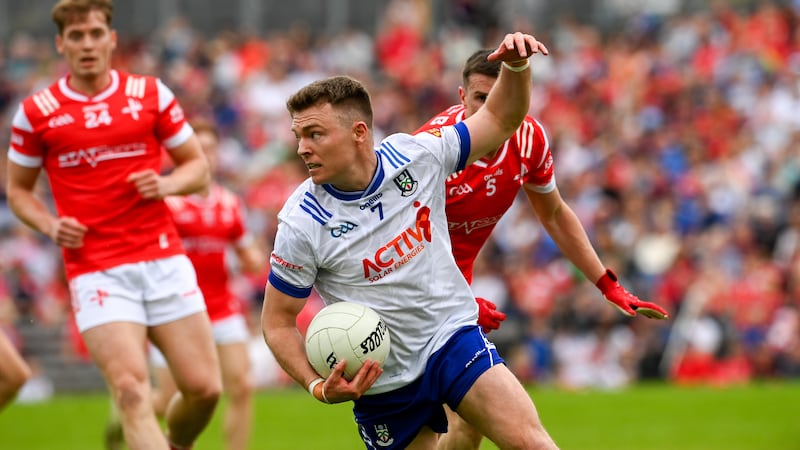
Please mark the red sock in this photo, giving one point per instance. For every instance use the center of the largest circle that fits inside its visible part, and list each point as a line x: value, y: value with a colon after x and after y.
x: 177, y: 447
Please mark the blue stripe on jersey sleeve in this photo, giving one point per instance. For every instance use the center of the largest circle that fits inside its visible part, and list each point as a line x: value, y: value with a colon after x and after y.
x: 288, y: 289
x: 463, y: 133
x: 394, y: 156
x: 312, y: 206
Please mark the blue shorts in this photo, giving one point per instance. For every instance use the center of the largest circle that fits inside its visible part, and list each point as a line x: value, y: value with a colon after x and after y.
x: 392, y: 420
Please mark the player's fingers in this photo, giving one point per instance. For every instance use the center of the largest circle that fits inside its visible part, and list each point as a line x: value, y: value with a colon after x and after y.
x: 651, y: 310
x: 535, y: 46
x: 141, y: 175
x: 652, y: 313
x: 72, y: 225
x: 518, y: 43
x: 628, y: 311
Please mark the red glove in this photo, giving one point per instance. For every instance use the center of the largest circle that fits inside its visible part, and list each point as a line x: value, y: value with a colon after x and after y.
x: 626, y: 302
x: 489, y: 317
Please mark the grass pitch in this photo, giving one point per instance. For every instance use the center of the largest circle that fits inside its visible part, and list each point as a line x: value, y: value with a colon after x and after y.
x: 645, y: 417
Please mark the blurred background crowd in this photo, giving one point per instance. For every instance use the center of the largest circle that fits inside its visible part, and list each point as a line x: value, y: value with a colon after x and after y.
x: 676, y: 137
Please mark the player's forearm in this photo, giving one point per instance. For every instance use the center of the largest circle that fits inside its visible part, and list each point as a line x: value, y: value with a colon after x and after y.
x: 251, y: 259
x: 189, y: 177
x: 501, y: 115
x: 31, y: 210
x: 509, y: 99
x: 288, y: 348
x: 568, y: 233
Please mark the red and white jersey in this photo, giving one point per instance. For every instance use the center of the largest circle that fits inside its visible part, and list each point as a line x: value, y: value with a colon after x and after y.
x: 208, y: 226
x: 479, y: 195
x: 88, y: 146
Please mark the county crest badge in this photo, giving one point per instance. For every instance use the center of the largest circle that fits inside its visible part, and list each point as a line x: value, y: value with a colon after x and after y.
x: 384, y: 438
x: 406, y: 183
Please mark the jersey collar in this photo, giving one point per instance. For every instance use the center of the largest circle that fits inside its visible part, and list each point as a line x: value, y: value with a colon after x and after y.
x: 68, y: 92
x: 377, y: 179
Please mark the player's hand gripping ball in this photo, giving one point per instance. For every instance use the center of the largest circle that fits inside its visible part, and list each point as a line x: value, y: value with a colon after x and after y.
x: 346, y: 330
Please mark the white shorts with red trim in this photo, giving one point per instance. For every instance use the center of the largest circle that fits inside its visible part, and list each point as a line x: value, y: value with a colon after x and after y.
x: 149, y: 292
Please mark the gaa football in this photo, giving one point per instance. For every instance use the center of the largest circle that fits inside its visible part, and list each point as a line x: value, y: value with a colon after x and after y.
x: 346, y: 330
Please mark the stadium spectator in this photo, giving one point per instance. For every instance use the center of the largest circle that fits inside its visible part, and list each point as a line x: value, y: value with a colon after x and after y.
x: 480, y: 194
x: 414, y: 284
x: 98, y: 134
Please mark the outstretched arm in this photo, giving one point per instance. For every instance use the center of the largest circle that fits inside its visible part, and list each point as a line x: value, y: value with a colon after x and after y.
x: 566, y: 230
x: 509, y: 99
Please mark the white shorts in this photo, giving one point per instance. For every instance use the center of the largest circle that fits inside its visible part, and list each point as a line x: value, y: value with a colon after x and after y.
x: 150, y: 293
x: 230, y: 330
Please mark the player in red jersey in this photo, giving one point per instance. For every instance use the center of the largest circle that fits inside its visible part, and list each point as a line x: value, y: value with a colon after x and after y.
x: 14, y: 371
x: 98, y: 134
x: 479, y: 195
x: 210, y: 222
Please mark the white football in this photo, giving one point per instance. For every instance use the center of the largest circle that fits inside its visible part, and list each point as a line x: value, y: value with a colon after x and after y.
x: 346, y: 330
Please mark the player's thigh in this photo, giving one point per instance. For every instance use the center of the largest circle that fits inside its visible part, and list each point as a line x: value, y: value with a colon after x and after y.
x: 188, y: 346
x: 426, y: 439
x: 460, y: 434
x: 159, y: 369
x: 498, y: 406
x: 119, y: 350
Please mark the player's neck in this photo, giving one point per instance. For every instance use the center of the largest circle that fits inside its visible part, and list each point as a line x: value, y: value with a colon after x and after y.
x: 205, y: 192
x: 89, y: 85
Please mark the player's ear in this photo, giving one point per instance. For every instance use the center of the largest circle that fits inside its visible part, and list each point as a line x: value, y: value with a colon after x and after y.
x: 360, y: 131
x: 59, y: 44
x: 113, y: 39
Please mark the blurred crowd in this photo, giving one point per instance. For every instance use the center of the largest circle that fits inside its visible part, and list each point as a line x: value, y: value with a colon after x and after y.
x: 676, y: 140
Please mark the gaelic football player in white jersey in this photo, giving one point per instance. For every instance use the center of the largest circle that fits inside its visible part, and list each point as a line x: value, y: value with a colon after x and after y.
x: 369, y: 226
x: 479, y: 195
x: 98, y: 134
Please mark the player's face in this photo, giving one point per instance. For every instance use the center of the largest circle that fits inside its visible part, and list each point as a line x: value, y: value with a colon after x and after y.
x: 326, y: 144
x: 474, y: 94
x: 86, y: 43
x: 209, y: 143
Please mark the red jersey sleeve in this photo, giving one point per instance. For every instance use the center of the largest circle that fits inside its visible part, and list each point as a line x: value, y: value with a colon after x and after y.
x: 172, y: 129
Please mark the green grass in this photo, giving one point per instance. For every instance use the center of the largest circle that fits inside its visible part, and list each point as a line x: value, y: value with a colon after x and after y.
x: 646, y: 417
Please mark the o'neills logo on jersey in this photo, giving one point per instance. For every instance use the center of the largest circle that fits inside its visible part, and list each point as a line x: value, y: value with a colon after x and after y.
x: 406, y: 183
x: 401, y: 249
x: 93, y: 156
x: 283, y: 263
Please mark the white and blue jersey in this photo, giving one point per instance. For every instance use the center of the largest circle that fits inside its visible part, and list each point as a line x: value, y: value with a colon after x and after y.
x: 386, y: 247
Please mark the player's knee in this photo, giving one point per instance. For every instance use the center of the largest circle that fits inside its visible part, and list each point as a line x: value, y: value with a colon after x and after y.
x: 240, y: 388
x: 203, y: 390
x: 129, y: 391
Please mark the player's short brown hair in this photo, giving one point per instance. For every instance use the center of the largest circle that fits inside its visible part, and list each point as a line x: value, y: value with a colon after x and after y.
x: 478, y: 64
x: 67, y: 11
x: 342, y: 92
